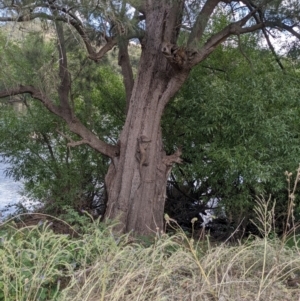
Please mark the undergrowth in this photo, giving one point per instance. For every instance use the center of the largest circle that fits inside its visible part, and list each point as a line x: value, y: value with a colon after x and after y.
x: 37, y: 264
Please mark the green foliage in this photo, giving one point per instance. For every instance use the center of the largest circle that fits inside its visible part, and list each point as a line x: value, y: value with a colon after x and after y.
x: 31, y: 140
x: 238, y: 126
x: 52, y: 172
x: 236, y: 119
x: 28, y: 61
x: 293, y: 241
x: 33, y: 262
x: 36, y: 264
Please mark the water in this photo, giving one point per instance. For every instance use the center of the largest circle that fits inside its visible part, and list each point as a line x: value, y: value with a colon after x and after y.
x: 9, y: 191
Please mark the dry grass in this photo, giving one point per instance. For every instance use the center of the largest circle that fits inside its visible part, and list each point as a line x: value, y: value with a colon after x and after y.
x: 171, y: 270
x: 103, y: 266
x: 177, y: 268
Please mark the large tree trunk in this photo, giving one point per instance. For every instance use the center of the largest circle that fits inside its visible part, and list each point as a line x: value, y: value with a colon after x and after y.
x: 136, y: 180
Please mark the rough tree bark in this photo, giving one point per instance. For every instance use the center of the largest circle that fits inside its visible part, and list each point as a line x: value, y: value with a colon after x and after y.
x: 136, y: 180
x: 139, y: 169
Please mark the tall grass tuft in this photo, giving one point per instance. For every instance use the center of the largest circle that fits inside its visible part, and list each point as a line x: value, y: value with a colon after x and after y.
x: 37, y: 264
x: 179, y: 268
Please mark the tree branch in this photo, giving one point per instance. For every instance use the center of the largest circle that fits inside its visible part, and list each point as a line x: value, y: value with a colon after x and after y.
x: 93, y: 55
x: 64, y: 75
x: 71, y: 142
x: 49, y: 146
x: 26, y: 17
x: 201, y: 22
x: 235, y: 28
x: 74, y: 124
x: 35, y: 93
x: 279, y: 24
x: 68, y: 18
x: 138, y: 5
x: 124, y: 62
x: 272, y: 48
x: 258, y: 20
x: 174, y: 158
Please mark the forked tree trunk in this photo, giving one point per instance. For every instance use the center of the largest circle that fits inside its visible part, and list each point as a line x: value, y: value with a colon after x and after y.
x: 136, y: 180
